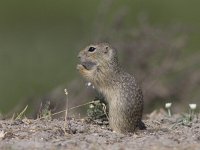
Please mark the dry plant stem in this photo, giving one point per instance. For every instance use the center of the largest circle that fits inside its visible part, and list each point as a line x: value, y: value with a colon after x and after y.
x: 169, y: 112
x: 69, y: 109
x: 66, y: 124
x: 40, y: 110
x: 192, y: 114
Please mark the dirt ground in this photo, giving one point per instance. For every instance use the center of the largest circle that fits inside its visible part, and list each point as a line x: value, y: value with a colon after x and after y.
x: 162, y: 133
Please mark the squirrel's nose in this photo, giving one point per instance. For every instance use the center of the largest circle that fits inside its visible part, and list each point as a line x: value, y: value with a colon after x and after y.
x: 79, y: 56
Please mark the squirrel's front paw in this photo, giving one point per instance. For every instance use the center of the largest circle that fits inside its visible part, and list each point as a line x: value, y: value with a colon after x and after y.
x: 83, y: 71
x: 80, y: 67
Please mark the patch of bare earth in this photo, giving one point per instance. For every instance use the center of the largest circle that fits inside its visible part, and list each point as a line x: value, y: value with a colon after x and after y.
x: 162, y: 133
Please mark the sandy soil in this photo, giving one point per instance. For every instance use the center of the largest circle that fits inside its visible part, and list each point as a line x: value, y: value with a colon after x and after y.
x: 162, y: 133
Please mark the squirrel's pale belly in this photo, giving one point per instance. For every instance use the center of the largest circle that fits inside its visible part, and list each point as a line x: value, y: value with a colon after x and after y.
x: 118, y: 117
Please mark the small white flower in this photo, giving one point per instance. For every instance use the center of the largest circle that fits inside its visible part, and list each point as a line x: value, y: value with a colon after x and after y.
x: 91, y: 105
x: 89, y: 84
x: 193, y: 106
x: 66, y: 92
x: 168, y: 105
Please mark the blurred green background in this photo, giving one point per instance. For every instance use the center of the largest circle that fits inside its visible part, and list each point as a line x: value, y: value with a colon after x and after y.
x: 39, y: 40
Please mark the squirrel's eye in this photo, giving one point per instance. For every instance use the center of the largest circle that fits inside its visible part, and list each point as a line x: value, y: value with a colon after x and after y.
x: 91, y: 49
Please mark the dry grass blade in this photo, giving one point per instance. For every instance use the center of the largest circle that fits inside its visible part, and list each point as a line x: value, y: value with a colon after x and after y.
x: 21, y: 113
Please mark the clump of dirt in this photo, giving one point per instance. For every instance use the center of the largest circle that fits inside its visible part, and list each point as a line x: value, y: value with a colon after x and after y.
x: 162, y: 132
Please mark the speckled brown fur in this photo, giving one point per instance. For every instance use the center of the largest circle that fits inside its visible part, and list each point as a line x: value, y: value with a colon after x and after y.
x: 124, y: 97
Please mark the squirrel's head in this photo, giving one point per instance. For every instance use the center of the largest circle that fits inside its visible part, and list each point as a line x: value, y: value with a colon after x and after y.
x: 97, y: 58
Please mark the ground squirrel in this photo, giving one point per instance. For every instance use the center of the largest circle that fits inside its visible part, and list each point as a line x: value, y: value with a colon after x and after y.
x: 99, y: 65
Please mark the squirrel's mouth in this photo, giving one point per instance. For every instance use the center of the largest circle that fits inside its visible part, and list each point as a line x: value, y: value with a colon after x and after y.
x: 88, y: 65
